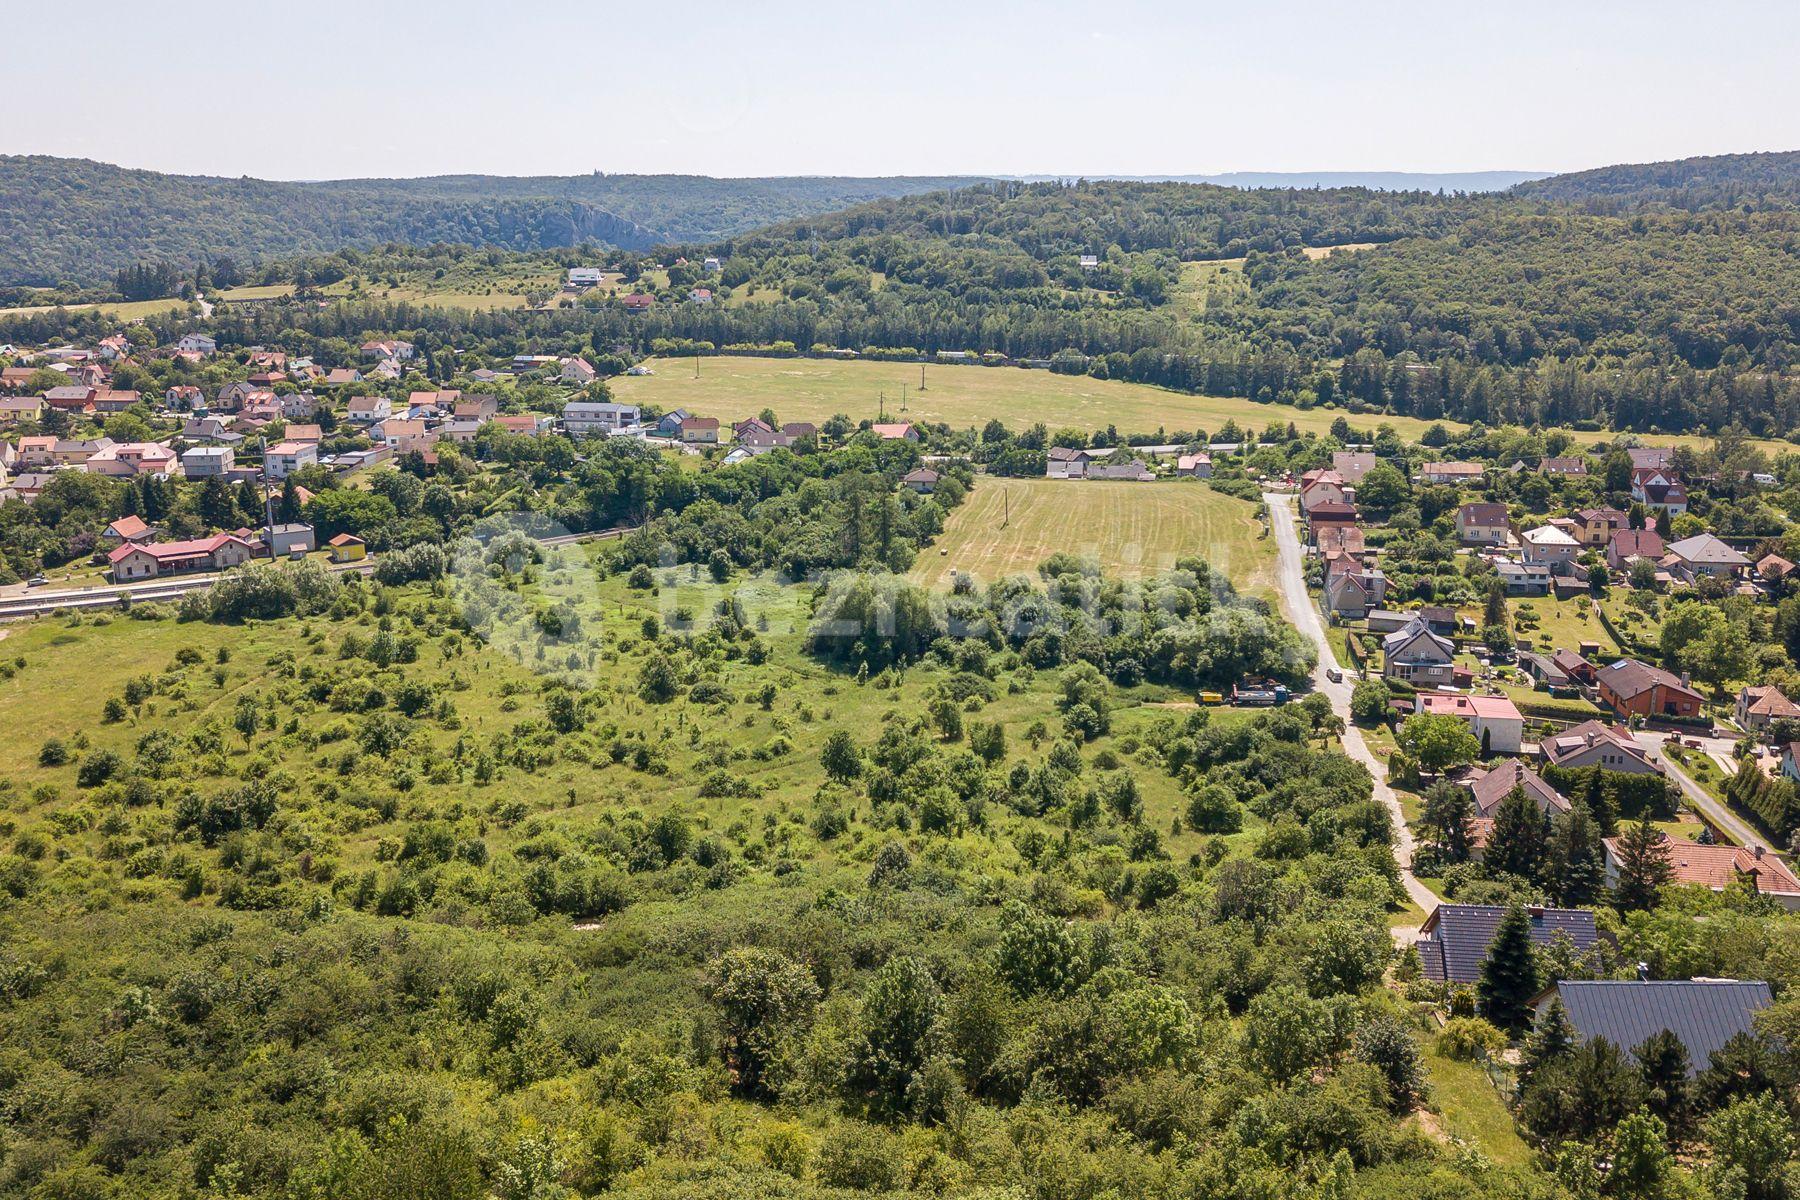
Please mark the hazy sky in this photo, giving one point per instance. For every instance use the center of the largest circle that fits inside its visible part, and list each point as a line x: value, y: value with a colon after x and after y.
x: 323, y: 88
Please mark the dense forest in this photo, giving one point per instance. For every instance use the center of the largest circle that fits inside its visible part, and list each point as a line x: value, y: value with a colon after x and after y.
x: 76, y: 221
x: 1713, y: 181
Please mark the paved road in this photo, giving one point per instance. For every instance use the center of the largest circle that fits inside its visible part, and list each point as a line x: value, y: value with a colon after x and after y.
x: 1733, y: 826
x: 1305, y: 616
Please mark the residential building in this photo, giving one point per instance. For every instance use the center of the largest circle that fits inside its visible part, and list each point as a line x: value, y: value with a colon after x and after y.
x: 128, y: 529
x: 669, y: 424
x: 1490, y: 789
x: 476, y: 408
x: 1351, y: 594
x: 283, y: 460
x: 1061, y: 462
x: 1194, y: 466
x: 1352, y: 465
x: 347, y: 547
x: 204, y: 462
x: 896, y: 431
x: 284, y: 540
x: 1133, y: 469
x: 1650, y: 457
x: 368, y: 410
x: 129, y: 459
x: 1523, y: 579
x: 343, y: 377
x: 1717, y: 867
x: 700, y: 430
x: 1703, y: 555
x: 1494, y: 720
x: 1451, y: 472
x: 14, y: 409
x: 1760, y: 706
x: 1659, y: 488
x: 1593, y: 744
x: 1628, y: 545
x: 922, y: 480
x: 71, y: 397
x: 1771, y: 568
x: 578, y: 371
x: 584, y: 418
x: 1483, y: 524
x: 197, y: 343
x: 1328, y: 515
x: 1550, y: 547
x: 581, y: 278
x: 1453, y: 942
x: 1418, y: 656
x: 1637, y: 689
x: 1703, y: 1014
x: 638, y: 302
x: 1596, y: 526
x: 1563, y: 466
x: 150, y: 560
x: 1575, y: 666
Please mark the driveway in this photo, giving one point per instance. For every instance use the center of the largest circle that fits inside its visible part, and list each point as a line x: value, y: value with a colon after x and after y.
x: 1304, y: 614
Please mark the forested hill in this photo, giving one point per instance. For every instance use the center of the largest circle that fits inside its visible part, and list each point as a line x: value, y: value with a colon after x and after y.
x: 76, y: 221
x: 1713, y: 182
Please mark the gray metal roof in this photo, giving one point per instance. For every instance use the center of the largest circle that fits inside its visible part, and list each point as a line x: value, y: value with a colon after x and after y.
x: 1455, y: 938
x: 1703, y: 1013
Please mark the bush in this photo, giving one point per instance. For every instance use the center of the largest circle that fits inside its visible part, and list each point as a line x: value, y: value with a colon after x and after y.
x: 1464, y: 1038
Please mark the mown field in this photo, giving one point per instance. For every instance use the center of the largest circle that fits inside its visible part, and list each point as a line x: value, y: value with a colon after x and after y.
x: 1009, y: 526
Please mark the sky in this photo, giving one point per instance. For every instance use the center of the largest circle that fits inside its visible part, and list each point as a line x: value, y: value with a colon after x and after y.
x: 314, y: 89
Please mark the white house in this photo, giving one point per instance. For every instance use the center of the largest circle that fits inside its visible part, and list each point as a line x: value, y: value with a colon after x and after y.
x: 283, y: 460
x: 1494, y: 720
x: 204, y: 462
x: 584, y: 418
x: 585, y: 277
x: 197, y: 343
x: 1548, y: 546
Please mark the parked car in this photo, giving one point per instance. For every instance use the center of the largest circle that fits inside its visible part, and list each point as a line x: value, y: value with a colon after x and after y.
x: 1333, y: 674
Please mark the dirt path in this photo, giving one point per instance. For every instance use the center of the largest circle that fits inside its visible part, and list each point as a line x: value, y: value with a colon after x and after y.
x: 1300, y: 610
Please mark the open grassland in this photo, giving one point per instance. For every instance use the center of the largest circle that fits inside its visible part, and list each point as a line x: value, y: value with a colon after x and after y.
x: 1009, y: 526
x: 806, y: 389
x: 130, y: 310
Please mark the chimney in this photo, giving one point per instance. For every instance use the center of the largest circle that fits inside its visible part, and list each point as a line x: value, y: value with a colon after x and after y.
x: 1535, y: 910
x: 1756, y: 852
x: 1643, y: 971
x: 1685, y: 681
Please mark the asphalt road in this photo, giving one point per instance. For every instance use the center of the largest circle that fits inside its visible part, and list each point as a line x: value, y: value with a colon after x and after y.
x: 1300, y: 610
x: 1722, y: 818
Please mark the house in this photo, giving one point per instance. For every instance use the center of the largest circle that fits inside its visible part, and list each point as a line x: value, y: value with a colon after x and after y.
x: 401, y: 434
x: 1352, y: 465
x: 283, y: 460
x: 638, y: 302
x: 1089, y: 262
x: 1596, y: 526
x: 128, y: 529
x: 1323, y: 487
x: 1343, y: 539
x: 1758, y: 707
x: 1630, y: 544
x: 1637, y: 689
x: 458, y: 432
x: 1771, y: 568
x: 71, y: 397
x: 1418, y: 656
x: 700, y: 430
x: 1703, y: 1014
x: 1574, y: 665
x: 1490, y: 789
x: 1495, y: 721
x: 923, y: 480
x: 1523, y: 579
x: 1194, y: 466
x: 1717, y: 867
x: 710, y: 266
x: 16, y: 379
x: 342, y: 377
x: 76, y: 452
x: 1544, y: 669
x: 1133, y: 469
x: 800, y: 429
x: 1593, y: 744
x: 304, y: 433
x: 148, y: 561
x: 1703, y: 555
x: 1550, y: 547
x: 368, y: 410
x: 1451, y: 472
x: 297, y: 406
x: 1328, y: 515
x: 14, y: 409
x: 388, y: 349
x: 669, y: 424
x: 1061, y: 462
x: 1656, y: 487
x: 700, y: 296
x: 204, y: 462
x: 37, y: 451
x: 582, y: 278
x: 476, y: 408
x: 523, y: 424
x: 578, y: 371
x: 584, y: 418
x: 197, y: 343
x: 1650, y: 457
x: 1453, y: 942
x: 114, y: 402
x: 347, y: 547
x: 1351, y: 594
x: 284, y: 540
x: 130, y: 459
x: 898, y: 431
x: 1563, y: 466
x: 1483, y: 524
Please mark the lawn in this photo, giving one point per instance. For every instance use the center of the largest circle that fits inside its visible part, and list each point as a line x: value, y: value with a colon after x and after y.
x: 1471, y: 1111
x: 808, y: 389
x: 1009, y: 526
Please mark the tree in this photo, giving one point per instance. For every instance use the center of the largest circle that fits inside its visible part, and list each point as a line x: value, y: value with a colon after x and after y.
x: 764, y: 999
x: 1751, y: 1143
x: 1438, y: 741
x: 1746, y: 1065
x: 1577, y: 858
x: 1589, y: 1090
x: 1509, y: 975
x: 658, y: 681
x: 840, y: 757
x: 1552, y: 1039
x: 1520, y: 835
x: 217, y: 506
x: 1383, y: 488
x: 1388, y: 1046
x: 1642, y: 1167
x: 897, y: 1032
x: 1663, y: 1062
x: 1037, y: 954
x: 1445, y: 819
x: 1704, y: 641
x: 1369, y: 701
x: 1644, y: 867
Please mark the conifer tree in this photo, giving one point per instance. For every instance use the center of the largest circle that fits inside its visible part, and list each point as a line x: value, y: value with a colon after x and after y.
x: 1643, y: 865
x: 1518, y: 841
x: 1509, y: 977
x: 1663, y: 1062
x: 1578, y: 868
x: 1551, y: 1039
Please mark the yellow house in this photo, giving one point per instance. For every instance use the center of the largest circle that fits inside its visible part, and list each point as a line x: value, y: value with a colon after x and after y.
x: 347, y: 547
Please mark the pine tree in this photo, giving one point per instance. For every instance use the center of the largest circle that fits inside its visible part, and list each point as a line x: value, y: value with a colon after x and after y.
x: 1663, y: 1062
x: 217, y: 508
x: 250, y: 503
x: 1517, y: 844
x: 1447, y: 812
x: 1494, y: 614
x: 1509, y: 977
x: 1644, y: 868
x: 1578, y: 869
x: 1551, y: 1040
x: 288, y: 511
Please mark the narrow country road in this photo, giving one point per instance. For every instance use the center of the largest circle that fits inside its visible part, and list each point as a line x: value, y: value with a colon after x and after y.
x: 1723, y: 819
x: 1305, y: 617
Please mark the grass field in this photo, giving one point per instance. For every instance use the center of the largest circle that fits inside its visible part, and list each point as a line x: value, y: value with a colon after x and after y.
x: 806, y: 389
x: 1134, y: 529
x: 130, y: 310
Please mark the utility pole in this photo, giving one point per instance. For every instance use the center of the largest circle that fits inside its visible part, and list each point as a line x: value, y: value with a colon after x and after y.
x: 921, y: 377
x: 696, y: 364
x: 903, y: 397
x: 881, y: 406
x: 1006, y: 503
